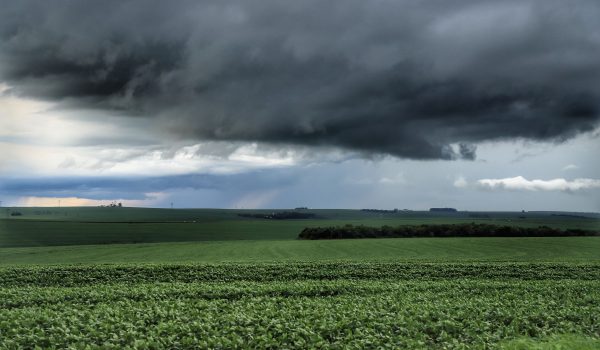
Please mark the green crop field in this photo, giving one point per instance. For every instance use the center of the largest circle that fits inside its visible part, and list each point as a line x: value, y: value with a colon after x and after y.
x: 77, y: 226
x: 71, y: 278
x: 570, y: 249
x: 300, y: 305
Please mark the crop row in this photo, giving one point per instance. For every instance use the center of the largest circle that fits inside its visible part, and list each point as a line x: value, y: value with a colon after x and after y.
x: 51, y: 297
x: 264, y: 272
x: 349, y: 314
x: 296, y: 305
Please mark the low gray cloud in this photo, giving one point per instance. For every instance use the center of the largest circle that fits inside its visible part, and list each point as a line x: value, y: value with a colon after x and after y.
x: 420, y: 80
x: 519, y: 183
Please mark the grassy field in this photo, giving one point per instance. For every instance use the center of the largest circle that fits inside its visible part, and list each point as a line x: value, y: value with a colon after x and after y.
x: 576, y: 249
x: 77, y: 226
x: 211, y: 279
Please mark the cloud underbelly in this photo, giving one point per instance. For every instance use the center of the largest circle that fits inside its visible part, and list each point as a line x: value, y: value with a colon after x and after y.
x: 410, y: 80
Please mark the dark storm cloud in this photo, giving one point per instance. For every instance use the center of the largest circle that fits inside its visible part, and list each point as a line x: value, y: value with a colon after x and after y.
x: 404, y: 78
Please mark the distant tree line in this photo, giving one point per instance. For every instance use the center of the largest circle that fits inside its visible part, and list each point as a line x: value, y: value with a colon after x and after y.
x: 443, y: 230
x: 480, y: 216
x: 283, y: 215
x: 571, y: 216
x: 447, y: 210
x: 380, y: 210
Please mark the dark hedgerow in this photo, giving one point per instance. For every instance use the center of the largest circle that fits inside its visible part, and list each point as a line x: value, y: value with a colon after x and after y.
x: 285, y: 215
x: 444, y: 230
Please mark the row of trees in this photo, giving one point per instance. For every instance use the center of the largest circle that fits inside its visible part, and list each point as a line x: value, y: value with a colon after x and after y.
x: 282, y: 215
x: 444, y: 230
x: 383, y: 211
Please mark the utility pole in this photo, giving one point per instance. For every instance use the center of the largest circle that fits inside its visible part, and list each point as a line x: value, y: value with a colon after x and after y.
x: 171, y: 205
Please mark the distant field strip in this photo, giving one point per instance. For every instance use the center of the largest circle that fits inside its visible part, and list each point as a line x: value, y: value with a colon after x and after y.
x: 580, y: 249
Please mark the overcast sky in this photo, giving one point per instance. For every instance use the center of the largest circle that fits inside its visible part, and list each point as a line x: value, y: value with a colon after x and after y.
x: 478, y: 105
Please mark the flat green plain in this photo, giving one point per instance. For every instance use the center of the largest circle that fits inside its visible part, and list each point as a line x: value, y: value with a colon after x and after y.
x: 78, y: 226
x: 115, y: 278
x: 534, y: 249
x: 105, y: 235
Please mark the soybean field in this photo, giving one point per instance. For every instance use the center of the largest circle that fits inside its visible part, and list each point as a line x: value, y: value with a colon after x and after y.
x: 301, y: 305
x: 128, y: 278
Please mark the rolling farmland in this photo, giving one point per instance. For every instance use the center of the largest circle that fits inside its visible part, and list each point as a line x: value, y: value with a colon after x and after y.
x: 150, y: 278
x: 65, y: 226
